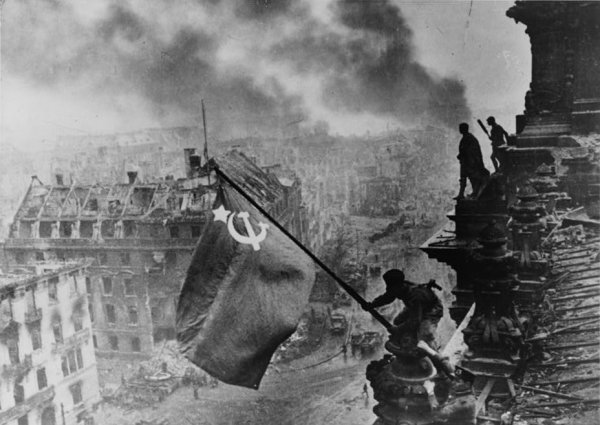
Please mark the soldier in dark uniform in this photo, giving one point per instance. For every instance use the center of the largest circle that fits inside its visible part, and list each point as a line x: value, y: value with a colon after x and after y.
x: 422, y: 308
x: 471, y: 163
x: 497, y: 136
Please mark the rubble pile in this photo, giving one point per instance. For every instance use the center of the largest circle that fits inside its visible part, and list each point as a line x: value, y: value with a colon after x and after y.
x: 167, y: 358
x: 156, y: 378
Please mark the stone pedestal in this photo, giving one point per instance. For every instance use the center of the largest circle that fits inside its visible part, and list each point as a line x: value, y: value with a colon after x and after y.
x: 546, y: 183
x: 402, y: 382
x: 493, y: 335
x: 526, y: 227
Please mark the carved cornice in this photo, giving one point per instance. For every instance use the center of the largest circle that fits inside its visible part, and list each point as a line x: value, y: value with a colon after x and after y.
x: 555, y: 14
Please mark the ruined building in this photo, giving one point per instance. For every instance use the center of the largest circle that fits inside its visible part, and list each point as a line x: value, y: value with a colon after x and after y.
x: 525, y: 251
x: 140, y: 237
x: 48, y: 370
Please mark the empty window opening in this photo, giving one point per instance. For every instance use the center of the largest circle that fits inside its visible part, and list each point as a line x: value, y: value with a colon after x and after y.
x: 86, y: 229
x: 36, y: 337
x: 42, y: 380
x: 76, y: 393
x: 196, y: 231
x: 111, y: 316
x: 129, y: 287
x: 45, y: 229
x: 136, y: 344
x: 125, y: 258
x: 53, y: 289
x: 57, y: 331
x: 133, y: 315
x: 113, y: 342
x: 66, y: 229
x: 108, y: 229
x: 107, y: 286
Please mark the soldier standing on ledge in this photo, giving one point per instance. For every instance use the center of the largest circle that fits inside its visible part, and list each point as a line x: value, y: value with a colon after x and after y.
x: 497, y: 136
x: 422, y: 308
x: 471, y: 163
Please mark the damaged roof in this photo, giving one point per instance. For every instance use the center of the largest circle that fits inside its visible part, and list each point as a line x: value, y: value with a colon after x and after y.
x: 145, y: 201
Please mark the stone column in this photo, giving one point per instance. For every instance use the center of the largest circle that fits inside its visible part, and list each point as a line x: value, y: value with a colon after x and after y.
x: 493, y: 335
x: 526, y: 227
x: 402, y: 383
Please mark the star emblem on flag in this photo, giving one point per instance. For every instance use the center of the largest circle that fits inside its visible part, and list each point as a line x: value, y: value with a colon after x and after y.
x: 221, y: 214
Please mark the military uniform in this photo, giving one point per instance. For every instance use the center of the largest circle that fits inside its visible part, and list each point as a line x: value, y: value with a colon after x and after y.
x: 421, y: 306
x: 497, y: 134
x: 471, y: 164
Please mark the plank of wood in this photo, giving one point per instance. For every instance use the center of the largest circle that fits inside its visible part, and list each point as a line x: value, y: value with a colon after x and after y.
x: 511, y: 388
x: 568, y: 403
x: 568, y: 381
x: 567, y: 362
x: 575, y: 296
x: 548, y: 392
x: 577, y: 308
x: 574, y: 345
x: 576, y: 318
x: 480, y: 403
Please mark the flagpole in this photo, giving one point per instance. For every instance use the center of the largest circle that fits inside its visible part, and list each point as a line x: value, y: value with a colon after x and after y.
x: 205, y: 139
x: 349, y: 289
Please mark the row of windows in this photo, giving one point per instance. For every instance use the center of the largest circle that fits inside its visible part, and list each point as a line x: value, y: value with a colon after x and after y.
x: 107, y: 229
x: 111, y: 314
x: 36, y: 337
x: 49, y: 413
x: 135, y: 343
x: 102, y: 259
x: 53, y: 287
x: 70, y: 363
x: 107, y: 286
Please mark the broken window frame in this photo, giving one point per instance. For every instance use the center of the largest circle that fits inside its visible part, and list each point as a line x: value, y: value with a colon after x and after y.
x: 111, y: 313
x: 113, y: 342
x: 132, y: 315
x: 125, y: 258
x: 53, y: 289
x: 57, y: 332
x: 107, y: 285
x: 76, y: 390
x: 136, y: 344
x: 36, y: 337
x: 42, y: 378
x: 129, y: 287
x: 13, y: 350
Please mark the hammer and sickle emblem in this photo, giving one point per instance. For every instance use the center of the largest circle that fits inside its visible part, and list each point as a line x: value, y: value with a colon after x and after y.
x: 252, y: 238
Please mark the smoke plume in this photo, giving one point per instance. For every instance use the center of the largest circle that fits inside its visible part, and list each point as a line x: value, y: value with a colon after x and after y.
x: 111, y: 65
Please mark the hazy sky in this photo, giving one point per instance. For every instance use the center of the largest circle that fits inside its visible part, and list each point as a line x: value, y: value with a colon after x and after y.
x: 487, y: 51
x: 77, y: 67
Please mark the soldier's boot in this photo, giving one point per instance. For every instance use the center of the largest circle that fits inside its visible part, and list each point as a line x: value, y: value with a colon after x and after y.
x: 461, y: 191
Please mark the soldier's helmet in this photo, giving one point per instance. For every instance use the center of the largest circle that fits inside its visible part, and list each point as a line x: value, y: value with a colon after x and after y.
x: 393, y: 277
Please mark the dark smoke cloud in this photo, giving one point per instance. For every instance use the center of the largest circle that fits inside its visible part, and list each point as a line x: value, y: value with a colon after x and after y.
x: 123, y: 53
x: 262, y: 9
x: 374, y: 69
x: 364, y: 60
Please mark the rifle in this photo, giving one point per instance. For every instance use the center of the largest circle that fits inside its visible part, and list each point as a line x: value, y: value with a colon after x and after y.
x: 483, y: 128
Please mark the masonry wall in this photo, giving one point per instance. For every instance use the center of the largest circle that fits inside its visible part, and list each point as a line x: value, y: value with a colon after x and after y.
x: 49, y: 371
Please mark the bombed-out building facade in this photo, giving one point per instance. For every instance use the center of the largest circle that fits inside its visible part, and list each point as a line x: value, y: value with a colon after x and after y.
x: 48, y: 369
x: 139, y: 238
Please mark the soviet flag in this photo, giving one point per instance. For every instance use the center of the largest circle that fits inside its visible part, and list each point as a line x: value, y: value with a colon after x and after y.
x: 245, y: 290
